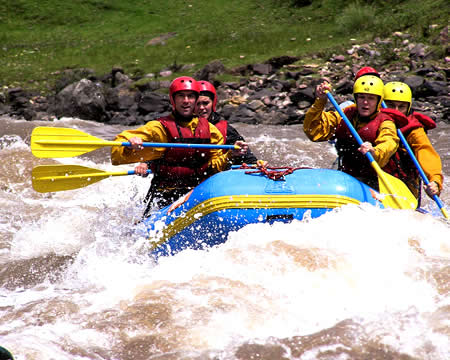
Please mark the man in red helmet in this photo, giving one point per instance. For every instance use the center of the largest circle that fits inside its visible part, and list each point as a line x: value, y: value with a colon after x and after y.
x: 176, y: 170
x: 206, y: 107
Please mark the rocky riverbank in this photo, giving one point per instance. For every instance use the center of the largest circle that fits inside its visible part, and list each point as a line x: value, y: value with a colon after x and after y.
x: 278, y: 91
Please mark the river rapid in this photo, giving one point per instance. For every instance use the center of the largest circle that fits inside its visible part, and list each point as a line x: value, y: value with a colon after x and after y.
x: 77, y: 283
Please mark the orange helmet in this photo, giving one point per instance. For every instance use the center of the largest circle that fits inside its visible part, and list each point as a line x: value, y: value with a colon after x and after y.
x: 209, y: 89
x: 366, y: 70
x: 182, y: 83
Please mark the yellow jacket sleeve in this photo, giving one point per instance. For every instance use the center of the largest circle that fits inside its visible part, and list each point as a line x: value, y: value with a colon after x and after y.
x: 426, y: 155
x: 386, y: 143
x: 320, y: 125
x: 153, y: 131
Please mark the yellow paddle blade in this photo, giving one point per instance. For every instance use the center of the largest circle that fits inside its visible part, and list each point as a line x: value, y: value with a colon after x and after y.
x: 395, y: 193
x: 54, y: 142
x: 50, y: 178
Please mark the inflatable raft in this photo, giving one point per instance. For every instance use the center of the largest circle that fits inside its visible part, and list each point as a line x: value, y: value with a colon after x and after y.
x: 232, y: 199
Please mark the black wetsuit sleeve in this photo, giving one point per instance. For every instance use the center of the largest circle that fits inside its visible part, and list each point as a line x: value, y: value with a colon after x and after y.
x: 232, y: 137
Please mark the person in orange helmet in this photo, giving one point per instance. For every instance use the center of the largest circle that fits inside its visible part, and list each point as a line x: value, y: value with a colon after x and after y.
x: 206, y: 107
x: 176, y: 170
x: 366, y: 70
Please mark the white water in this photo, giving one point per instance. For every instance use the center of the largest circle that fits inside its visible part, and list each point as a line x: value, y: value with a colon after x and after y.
x: 78, y: 282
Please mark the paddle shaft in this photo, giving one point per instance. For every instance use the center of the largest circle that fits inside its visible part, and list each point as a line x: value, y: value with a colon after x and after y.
x: 436, y: 198
x: 349, y: 125
x: 145, y: 144
x: 90, y: 175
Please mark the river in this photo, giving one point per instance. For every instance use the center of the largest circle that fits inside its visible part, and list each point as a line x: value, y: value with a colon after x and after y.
x: 77, y: 283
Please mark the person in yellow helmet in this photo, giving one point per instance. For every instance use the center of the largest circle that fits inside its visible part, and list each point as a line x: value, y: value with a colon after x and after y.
x: 377, y: 130
x: 398, y: 98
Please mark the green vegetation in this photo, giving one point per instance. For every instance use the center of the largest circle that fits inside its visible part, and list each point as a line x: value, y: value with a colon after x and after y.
x: 39, y: 39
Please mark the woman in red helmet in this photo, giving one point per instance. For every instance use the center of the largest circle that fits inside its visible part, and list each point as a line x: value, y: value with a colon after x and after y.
x: 176, y: 170
x: 377, y: 130
x: 206, y: 107
x: 366, y: 70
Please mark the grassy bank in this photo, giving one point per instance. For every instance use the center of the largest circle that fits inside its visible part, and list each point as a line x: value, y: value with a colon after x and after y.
x: 40, y: 38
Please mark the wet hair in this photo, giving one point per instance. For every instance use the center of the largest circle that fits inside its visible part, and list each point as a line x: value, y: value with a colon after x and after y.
x: 208, y: 94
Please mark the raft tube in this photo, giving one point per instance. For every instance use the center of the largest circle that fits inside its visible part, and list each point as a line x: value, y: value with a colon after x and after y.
x: 229, y: 200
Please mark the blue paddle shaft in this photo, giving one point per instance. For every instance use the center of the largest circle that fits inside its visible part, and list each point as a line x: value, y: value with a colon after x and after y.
x: 414, y: 159
x: 349, y: 124
x: 419, y: 168
x: 186, y: 146
x: 132, y: 172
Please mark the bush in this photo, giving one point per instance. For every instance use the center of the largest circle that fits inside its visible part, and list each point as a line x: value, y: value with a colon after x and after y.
x: 356, y: 17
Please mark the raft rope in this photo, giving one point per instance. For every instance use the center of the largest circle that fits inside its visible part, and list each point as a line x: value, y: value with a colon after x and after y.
x: 273, y: 173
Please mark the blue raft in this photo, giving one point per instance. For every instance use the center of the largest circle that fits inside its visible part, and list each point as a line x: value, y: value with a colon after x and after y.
x: 232, y: 199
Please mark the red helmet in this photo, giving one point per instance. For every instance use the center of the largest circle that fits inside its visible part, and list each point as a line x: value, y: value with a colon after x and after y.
x: 182, y: 83
x: 205, y: 86
x: 366, y: 70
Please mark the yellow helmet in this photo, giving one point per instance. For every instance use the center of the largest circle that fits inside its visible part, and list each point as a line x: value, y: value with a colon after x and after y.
x: 398, y: 91
x: 369, y: 84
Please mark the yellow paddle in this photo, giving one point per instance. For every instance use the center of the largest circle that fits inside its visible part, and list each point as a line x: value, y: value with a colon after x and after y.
x: 54, y: 142
x: 51, y: 178
x: 395, y: 194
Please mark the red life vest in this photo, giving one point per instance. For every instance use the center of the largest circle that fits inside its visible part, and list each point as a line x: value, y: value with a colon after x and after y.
x: 413, y: 121
x: 222, y: 126
x: 351, y: 160
x: 416, y: 120
x: 183, y: 167
x: 405, y: 168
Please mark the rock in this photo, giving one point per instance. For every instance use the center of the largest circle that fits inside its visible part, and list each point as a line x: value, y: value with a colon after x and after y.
x: 262, y: 69
x: 280, y: 61
x: 83, y: 99
x: 417, y: 51
x: 274, y: 118
x: 344, y: 86
x: 153, y: 103
x: 161, y: 39
x: 165, y: 73
x: 120, y: 98
x: 210, y: 71
x: 243, y: 114
x: 414, y: 82
x: 256, y: 105
x: 276, y: 91
x: 228, y: 110
x: 303, y: 94
x: 338, y: 58
x: 433, y: 88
